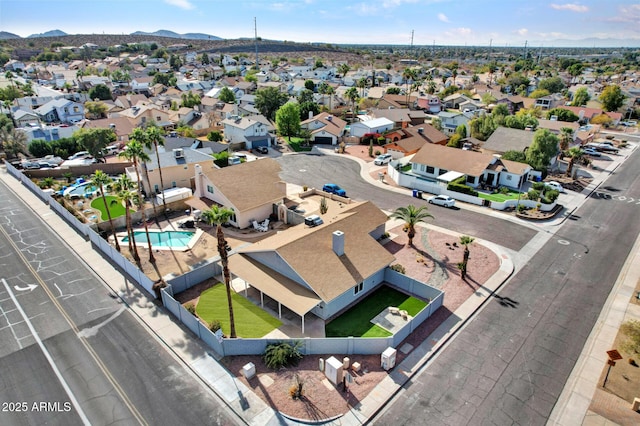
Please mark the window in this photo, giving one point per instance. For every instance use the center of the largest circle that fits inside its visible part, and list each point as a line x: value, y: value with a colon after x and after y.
x: 156, y: 189
x: 76, y: 109
x: 158, y: 118
x: 471, y: 179
x: 442, y: 171
x: 143, y: 120
x: 174, y: 184
x: 430, y: 169
x: 357, y: 289
x: 509, y: 177
x: 210, y: 189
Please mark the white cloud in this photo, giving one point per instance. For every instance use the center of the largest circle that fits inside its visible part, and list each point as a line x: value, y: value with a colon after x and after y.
x: 363, y: 9
x: 522, y: 31
x: 387, y: 4
x: 183, y: 4
x: 573, y: 7
x: 443, y: 17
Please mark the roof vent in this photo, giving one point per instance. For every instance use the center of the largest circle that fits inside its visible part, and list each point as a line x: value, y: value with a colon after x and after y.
x: 178, y: 153
x: 329, y: 117
x: 421, y: 130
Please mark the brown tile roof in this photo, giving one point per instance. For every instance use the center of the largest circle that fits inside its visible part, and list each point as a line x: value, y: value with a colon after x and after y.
x: 250, y: 184
x: 429, y: 133
x: 397, y: 115
x: 309, y: 251
x: 452, y: 159
x: 335, y: 126
x: 514, y: 166
x: 556, y: 125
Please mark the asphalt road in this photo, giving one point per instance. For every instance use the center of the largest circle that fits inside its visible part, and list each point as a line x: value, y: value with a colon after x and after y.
x: 70, y: 353
x: 316, y: 170
x: 509, y: 365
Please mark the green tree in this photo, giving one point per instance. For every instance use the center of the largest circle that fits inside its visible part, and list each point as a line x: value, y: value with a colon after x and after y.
x: 574, y: 154
x: 393, y: 90
x: 190, y: 99
x: 269, y: 100
x: 542, y: 149
x: 361, y: 84
x: 581, y: 97
x: 227, y: 96
x: 612, y: 98
x: 102, y: 180
x: 465, y: 241
x: 13, y: 142
x: 455, y: 141
x: 134, y: 151
x: 352, y: 94
x: 409, y: 75
x: 511, y: 155
x: 214, y: 136
x: 553, y: 84
x: 101, y: 92
x: 288, y: 119
x: 411, y: 215
x: 310, y: 85
x: 154, y: 137
x: 219, y: 216
x: 95, y: 140
x: 539, y: 93
x: 95, y: 109
x: 436, y: 123
x: 566, y: 137
x: 462, y: 131
x: 40, y: 148
x: 563, y: 115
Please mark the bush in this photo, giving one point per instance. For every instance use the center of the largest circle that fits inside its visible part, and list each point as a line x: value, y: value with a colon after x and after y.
x: 521, y: 207
x: 533, y: 194
x: 283, y: 354
x: 398, y: 268
x: 538, y: 186
x: 458, y: 185
x: 215, y: 325
x: 377, y: 152
x: 190, y: 307
x: 504, y: 190
x: 551, y: 195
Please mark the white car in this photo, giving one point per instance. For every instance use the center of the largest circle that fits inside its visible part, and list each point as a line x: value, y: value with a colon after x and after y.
x: 592, y: 152
x: 382, y: 159
x: 555, y: 185
x: 442, y: 200
x: 81, y: 154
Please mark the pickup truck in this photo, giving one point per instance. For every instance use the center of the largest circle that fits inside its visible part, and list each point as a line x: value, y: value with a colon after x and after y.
x: 332, y: 188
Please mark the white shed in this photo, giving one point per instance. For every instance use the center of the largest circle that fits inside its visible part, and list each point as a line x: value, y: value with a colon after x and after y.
x: 173, y: 194
x: 377, y: 125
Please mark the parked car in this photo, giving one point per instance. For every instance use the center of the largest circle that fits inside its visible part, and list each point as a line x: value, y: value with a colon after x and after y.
x: 442, y: 200
x: 555, y: 185
x: 262, y: 149
x: 313, y: 220
x: 30, y: 165
x: 80, y: 154
x: 332, y: 188
x: 592, y: 152
x: 382, y: 159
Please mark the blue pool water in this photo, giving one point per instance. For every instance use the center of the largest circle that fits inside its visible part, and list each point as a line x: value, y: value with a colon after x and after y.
x: 163, y: 239
x: 81, y: 190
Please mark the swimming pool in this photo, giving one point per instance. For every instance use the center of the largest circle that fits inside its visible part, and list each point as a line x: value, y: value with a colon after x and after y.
x: 163, y: 239
x: 81, y: 190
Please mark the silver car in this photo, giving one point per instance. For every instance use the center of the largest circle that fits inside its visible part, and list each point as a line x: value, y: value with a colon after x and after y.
x: 442, y: 200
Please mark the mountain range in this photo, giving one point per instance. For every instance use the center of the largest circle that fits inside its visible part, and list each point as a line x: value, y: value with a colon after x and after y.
x: 4, y: 35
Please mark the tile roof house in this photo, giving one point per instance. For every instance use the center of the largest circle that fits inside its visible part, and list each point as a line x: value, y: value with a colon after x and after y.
x: 413, y: 139
x: 325, y: 128
x: 433, y: 161
x: 588, y: 113
x: 23, y: 118
x: 429, y: 103
x: 345, y: 249
x: 61, y: 110
x: 120, y: 125
x: 556, y: 126
x: 451, y: 120
x: 250, y: 189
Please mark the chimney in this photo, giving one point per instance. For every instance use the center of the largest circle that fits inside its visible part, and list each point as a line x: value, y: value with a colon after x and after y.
x: 338, y: 242
x: 310, y: 115
x: 420, y: 130
x: 329, y: 117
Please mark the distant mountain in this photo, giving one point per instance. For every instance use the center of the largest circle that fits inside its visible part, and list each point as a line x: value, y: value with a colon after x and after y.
x: 5, y: 35
x: 171, y: 34
x: 53, y: 33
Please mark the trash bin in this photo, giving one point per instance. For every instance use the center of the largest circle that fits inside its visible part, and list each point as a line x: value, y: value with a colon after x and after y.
x: 415, y: 193
x: 420, y: 194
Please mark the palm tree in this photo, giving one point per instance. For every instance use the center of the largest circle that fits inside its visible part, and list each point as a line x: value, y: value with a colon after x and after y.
x: 140, y: 135
x: 134, y: 151
x: 218, y: 216
x: 465, y: 240
x: 123, y: 187
x: 362, y: 83
x: 102, y: 179
x: 343, y: 69
x: 408, y: 75
x: 566, y: 137
x: 352, y: 94
x: 411, y: 215
x: 154, y: 137
x: 574, y: 154
x: 13, y: 142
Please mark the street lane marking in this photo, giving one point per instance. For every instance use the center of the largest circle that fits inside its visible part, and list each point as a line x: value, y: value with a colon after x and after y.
x: 92, y: 331
x: 48, y: 356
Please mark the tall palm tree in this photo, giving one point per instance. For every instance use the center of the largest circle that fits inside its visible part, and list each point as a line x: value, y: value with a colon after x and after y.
x: 362, y: 83
x: 566, y: 137
x: 411, y: 215
x: 330, y: 91
x: 352, y: 94
x: 408, y: 75
x: 343, y: 69
x: 123, y: 187
x: 134, y: 151
x: 218, y: 216
x: 465, y: 240
x: 140, y: 135
x: 154, y: 137
x: 574, y: 153
x: 103, y: 180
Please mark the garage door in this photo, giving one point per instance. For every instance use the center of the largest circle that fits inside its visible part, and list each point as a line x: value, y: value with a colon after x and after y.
x: 323, y: 140
x: 260, y: 142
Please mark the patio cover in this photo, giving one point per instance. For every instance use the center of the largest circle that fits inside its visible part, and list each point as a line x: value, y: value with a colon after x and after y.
x: 449, y: 176
x: 275, y: 285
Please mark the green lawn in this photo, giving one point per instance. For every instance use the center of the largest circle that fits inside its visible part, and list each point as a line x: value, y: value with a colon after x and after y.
x: 356, y: 321
x: 499, y: 197
x: 115, y: 207
x: 251, y: 321
x: 296, y: 144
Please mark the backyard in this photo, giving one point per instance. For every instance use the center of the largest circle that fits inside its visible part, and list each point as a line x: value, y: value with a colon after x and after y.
x: 116, y: 208
x: 297, y: 144
x: 356, y: 321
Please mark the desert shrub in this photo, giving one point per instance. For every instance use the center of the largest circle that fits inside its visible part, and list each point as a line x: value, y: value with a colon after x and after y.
x: 377, y: 152
x: 538, y: 186
x: 631, y: 331
x: 551, y: 195
x: 215, y: 325
x: 521, y: 207
x: 190, y: 307
x: 398, y: 268
x: 283, y: 354
x: 533, y: 194
x: 504, y: 190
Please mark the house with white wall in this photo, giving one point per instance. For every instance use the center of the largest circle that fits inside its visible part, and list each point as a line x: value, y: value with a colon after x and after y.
x: 248, y: 130
x: 377, y: 125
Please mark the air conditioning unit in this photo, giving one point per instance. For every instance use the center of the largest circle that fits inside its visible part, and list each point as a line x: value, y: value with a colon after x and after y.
x: 178, y: 153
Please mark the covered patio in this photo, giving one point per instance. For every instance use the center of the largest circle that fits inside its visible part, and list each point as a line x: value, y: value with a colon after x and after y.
x: 268, y: 282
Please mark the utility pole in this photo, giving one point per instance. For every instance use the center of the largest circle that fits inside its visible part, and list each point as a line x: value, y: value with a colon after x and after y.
x: 411, y: 46
x: 255, y: 29
x: 525, y: 49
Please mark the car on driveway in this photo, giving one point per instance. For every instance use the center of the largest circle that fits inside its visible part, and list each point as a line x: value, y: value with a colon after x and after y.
x: 332, y: 188
x: 555, y: 185
x: 592, y: 152
x: 262, y: 149
x: 313, y: 220
x: 442, y: 200
x: 382, y: 159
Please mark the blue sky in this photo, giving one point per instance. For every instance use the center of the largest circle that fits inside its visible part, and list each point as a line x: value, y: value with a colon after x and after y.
x: 450, y: 22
